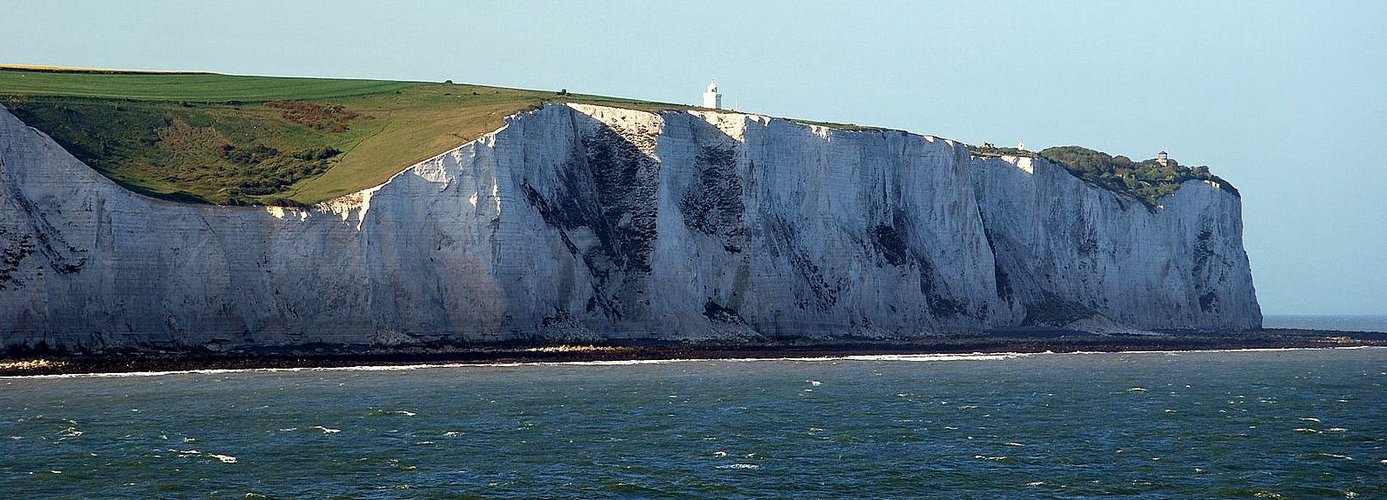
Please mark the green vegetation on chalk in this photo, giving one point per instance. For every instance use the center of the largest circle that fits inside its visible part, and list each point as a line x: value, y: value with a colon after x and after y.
x: 230, y: 139
x: 1146, y: 180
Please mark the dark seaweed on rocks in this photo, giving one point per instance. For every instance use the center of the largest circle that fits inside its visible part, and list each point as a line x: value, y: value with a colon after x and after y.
x: 1055, y: 312
x: 719, y: 313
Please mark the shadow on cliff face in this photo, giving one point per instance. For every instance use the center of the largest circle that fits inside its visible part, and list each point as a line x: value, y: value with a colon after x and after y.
x: 608, y: 185
x: 712, y: 204
x: 606, y: 203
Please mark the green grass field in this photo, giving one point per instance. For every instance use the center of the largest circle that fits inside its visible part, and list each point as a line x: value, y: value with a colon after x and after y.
x: 227, y: 139
x: 230, y: 139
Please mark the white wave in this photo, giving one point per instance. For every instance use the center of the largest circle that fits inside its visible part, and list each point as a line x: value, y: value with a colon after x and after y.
x: 326, y: 430
x: 1309, y: 431
x: 1232, y: 350
x: 739, y: 466
x: 1310, y: 419
x: 1332, y: 455
x: 985, y: 457
x: 227, y: 459
x: 380, y: 412
x: 976, y: 356
x: 137, y: 374
x: 1337, y: 429
x: 266, y: 370
x: 397, y: 368
x: 624, y: 362
x: 70, y: 432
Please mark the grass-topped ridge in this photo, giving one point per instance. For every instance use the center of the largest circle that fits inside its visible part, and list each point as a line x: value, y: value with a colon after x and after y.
x: 1147, y: 180
x: 230, y: 139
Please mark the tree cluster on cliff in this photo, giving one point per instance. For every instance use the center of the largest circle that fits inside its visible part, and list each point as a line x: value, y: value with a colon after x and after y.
x: 1147, y: 180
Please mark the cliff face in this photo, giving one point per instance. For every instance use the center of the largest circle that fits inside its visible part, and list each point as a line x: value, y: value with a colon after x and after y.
x: 579, y: 223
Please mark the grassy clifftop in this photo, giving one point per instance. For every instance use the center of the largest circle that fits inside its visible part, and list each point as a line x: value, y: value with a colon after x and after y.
x: 231, y: 139
x: 1147, y: 180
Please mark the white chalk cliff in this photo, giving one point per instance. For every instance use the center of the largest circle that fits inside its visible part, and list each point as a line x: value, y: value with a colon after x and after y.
x: 582, y: 223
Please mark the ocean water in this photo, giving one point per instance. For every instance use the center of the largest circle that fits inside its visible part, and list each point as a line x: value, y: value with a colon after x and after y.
x: 1285, y: 423
x: 1360, y: 323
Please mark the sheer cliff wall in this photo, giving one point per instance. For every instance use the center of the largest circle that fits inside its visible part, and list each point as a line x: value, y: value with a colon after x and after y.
x: 582, y: 223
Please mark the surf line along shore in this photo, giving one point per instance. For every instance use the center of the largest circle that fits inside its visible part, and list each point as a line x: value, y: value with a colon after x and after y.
x: 18, y: 363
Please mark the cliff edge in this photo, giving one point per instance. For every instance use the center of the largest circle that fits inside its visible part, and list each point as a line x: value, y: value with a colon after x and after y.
x: 588, y: 223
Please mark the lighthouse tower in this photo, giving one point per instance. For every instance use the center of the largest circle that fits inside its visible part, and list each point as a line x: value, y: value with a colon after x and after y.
x: 711, y: 97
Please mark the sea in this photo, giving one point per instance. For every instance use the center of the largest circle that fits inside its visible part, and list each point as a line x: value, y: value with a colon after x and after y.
x: 1360, y: 323
x: 1300, y: 423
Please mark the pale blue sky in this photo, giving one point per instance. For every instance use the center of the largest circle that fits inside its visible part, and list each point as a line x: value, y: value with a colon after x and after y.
x: 1288, y: 101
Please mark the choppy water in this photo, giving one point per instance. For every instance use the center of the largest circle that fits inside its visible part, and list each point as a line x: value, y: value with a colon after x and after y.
x: 1359, y: 323
x: 1197, y: 424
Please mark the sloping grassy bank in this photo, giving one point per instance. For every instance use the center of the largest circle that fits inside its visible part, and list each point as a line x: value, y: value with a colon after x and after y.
x: 231, y: 139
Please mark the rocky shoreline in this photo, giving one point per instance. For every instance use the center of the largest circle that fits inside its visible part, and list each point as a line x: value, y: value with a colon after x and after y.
x: 1016, y: 340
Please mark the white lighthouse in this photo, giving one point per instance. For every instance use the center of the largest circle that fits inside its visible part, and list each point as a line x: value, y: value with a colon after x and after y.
x: 711, y: 97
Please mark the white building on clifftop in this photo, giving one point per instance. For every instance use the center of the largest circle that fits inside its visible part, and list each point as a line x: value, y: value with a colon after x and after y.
x: 711, y: 97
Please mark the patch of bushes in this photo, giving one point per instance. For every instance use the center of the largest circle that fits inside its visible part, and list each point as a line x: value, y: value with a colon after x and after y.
x: 321, y: 153
x: 1146, y: 180
x: 987, y: 149
x: 248, y: 155
x: 329, y: 117
x: 263, y: 170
